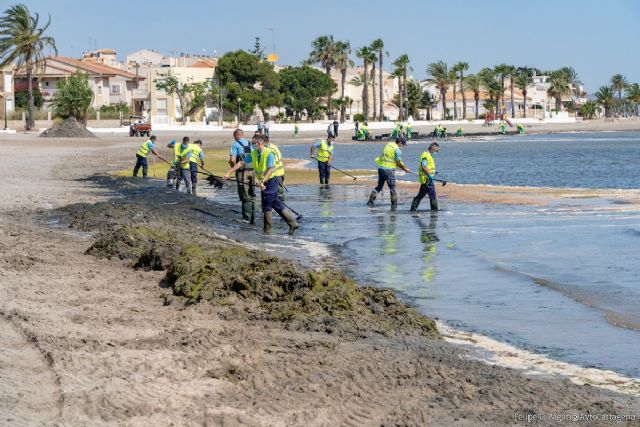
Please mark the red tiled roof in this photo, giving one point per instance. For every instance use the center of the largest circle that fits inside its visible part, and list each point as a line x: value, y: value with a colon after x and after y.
x: 204, y: 63
x: 92, y: 68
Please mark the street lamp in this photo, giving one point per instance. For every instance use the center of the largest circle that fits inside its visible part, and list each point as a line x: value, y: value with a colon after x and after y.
x: 239, y: 100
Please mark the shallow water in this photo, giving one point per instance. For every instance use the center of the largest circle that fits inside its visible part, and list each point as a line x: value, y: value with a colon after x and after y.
x: 576, y: 160
x: 561, y: 280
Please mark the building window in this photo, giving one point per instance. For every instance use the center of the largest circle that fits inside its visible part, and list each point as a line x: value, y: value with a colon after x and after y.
x: 99, y: 90
x: 46, y: 83
x: 115, y: 89
x: 161, y: 107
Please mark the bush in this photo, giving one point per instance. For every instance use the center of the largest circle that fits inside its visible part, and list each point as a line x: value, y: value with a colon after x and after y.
x: 359, y: 118
x: 73, y: 97
x: 22, y: 98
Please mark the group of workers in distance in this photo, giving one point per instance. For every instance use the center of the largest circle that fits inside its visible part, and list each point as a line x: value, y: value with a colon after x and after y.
x: 259, y: 164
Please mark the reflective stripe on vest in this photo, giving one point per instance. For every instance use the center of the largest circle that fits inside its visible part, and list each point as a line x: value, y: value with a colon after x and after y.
x: 324, y: 151
x: 144, y: 149
x: 388, y: 158
x: 431, y: 167
x: 278, y: 169
x: 183, y: 155
x: 195, y: 153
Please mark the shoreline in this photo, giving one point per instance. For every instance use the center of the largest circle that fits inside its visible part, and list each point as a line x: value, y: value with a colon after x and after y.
x: 107, y: 344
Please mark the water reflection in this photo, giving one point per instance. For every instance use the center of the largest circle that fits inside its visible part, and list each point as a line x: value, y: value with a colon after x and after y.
x: 428, y: 238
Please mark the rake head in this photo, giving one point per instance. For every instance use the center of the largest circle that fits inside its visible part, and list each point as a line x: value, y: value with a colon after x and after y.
x: 215, y: 181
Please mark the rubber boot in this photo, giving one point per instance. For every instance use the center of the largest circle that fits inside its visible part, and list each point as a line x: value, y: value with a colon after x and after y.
x: 291, y: 221
x: 268, y: 222
x: 372, y: 198
x: 394, y: 201
x: 193, y: 189
x: 414, y: 204
x: 434, y: 204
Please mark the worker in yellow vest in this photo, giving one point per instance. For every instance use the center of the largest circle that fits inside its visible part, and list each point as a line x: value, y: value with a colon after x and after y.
x: 267, y: 177
x: 324, y: 158
x: 171, y: 173
x: 279, y: 166
x: 182, y: 165
x: 426, y: 177
x: 196, y: 156
x: 141, y: 156
x: 390, y: 159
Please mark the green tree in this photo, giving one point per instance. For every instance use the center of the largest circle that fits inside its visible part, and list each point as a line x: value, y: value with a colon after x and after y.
x: 559, y: 86
x: 619, y: 83
x: 472, y: 83
x: 589, y: 109
x: 243, y: 76
x: 454, y: 81
x: 22, y: 43
x: 74, y: 96
x: 372, y: 60
x: 303, y: 88
x: 414, y: 97
x: 365, y: 54
x: 633, y: 95
x: 342, y: 62
x: 461, y: 67
x: 22, y: 98
x: 191, y: 95
x: 325, y: 53
x: 605, y: 96
x: 258, y: 50
x: 402, y: 67
x: 428, y: 101
x: 492, y: 82
x: 502, y: 71
x: 378, y: 46
x: 440, y: 77
x: 522, y: 82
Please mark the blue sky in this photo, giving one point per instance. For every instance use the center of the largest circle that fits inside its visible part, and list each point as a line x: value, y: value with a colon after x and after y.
x: 597, y: 38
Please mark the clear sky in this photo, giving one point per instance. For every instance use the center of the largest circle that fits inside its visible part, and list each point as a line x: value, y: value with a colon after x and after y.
x: 598, y: 38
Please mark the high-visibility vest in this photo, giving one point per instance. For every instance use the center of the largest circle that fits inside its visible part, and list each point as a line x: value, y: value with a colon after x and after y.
x: 184, y: 152
x: 144, y: 149
x: 176, y: 152
x: 431, y: 167
x: 324, y: 151
x: 388, y: 158
x: 196, y: 150
x: 277, y: 157
x: 260, y: 166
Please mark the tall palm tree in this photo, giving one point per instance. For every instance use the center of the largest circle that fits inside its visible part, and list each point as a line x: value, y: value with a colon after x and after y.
x: 23, y: 43
x: 440, y: 77
x: 364, y: 53
x: 378, y: 46
x: 472, y: 83
x: 397, y: 74
x: 372, y: 59
x: 633, y: 95
x: 342, y: 62
x: 402, y: 64
x: 522, y: 82
x: 462, y: 67
x: 454, y: 80
x: 512, y: 76
x: 619, y: 83
x: 502, y: 71
x: 558, y: 87
x: 492, y: 83
x: 606, y: 97
x: 324, y: 53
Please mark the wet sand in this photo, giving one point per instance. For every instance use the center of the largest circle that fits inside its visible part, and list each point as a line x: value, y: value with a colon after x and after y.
x: 92, y: 341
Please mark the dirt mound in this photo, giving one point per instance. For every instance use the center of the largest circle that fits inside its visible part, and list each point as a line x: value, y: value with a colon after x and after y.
x: 69, y: 128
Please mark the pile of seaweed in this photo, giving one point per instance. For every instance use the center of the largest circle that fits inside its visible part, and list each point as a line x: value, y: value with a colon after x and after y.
x: 242, y: 282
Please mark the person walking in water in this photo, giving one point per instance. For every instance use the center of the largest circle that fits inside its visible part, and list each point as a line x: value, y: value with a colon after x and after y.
x: 426, y: 177
x: 390, y: 159
x: 267, y: 177
x: 196, y: 157
x: 324, y: 158
x: 240, y: 149
x: 141, y: 156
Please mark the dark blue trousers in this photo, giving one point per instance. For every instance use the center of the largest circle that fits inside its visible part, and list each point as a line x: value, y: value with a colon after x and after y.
x: 269, y: 196
x: 141, y: 162
x: 324, y: 170
x: 388, y: 176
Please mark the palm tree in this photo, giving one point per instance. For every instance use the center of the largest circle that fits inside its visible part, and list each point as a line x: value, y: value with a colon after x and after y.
x: 606, y: 97
x: 462, y: 67
x: 342, y: 62
x: 23, y: 43
x: 558, y: 87
x: 522, y: 82
x: 402, y: 64
x: 372, y: 59
x: 633, y: 95
x: 588, y: 109
x: 428, y: 101
x: 397, y: 74
x: 454, y: 80
x: 472, y: 83
x: 364, y: 53
x: 502, y: 70
x: 619, y: 83
x: 512, y: 76
x: 440, y: 77
x: 490, y: 80
x: 378, y: 46
x: 324, y: 53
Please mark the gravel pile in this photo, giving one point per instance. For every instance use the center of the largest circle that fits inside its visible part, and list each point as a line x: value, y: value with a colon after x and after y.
x: 69, y: 128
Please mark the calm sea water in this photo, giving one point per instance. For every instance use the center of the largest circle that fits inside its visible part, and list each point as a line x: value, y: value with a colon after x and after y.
x: 562, y: 280
x: 577, y: 160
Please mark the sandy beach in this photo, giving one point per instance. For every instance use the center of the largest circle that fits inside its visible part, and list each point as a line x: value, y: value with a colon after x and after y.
x: 103, y: 325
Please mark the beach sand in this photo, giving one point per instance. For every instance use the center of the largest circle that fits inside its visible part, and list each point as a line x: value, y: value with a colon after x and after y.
x: 92, y: 341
